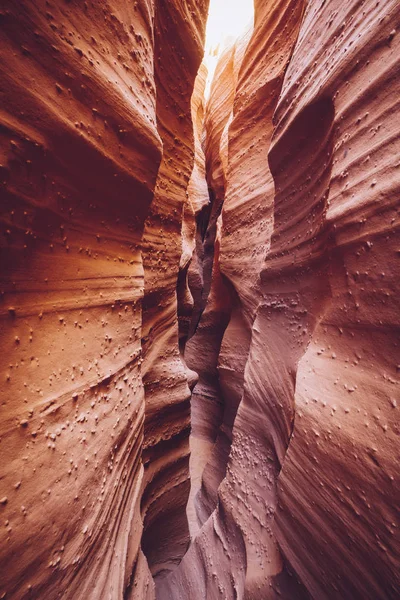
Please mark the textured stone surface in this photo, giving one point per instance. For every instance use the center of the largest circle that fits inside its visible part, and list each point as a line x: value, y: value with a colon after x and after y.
x: 309, y: 231
x: 178, y: 45
x: 340, y: 469
x: 95, y: 96
x: 229, y: 269
x: 212, y: 302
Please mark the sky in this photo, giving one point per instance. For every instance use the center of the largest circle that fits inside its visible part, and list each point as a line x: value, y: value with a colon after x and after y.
x: 227, y: 19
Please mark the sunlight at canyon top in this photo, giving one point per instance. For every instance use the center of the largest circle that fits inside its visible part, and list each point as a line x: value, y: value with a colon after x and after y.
x: 227, y: 20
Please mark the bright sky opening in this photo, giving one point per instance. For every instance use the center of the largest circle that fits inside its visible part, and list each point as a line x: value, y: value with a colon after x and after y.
x: 227, y: 20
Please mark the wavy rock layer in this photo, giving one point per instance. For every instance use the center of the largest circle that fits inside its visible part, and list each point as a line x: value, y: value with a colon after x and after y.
x: 261, y: 264
x: 338, y: 479
x: 179, y: 36
x: 211, y: 299
x: 95, y: 98
x: 305, y: 505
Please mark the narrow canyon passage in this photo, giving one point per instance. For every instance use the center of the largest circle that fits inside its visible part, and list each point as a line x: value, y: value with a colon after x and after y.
x: 199, y: 300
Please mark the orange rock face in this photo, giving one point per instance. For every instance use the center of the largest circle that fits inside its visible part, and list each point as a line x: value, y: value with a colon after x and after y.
x: 167, y: 424
x: 340, y: 131
x: 305, y: 504
x: 95, y: 130
x: 214, y: 282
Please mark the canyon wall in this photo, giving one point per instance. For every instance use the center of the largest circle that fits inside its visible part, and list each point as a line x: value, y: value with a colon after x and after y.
x: 97, y: 149
x: 165, y: 377
x: 306, y: 169
x: 337, y: 492
x: 214, y: 281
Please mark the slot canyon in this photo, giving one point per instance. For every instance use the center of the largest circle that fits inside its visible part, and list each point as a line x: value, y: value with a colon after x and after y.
x: 199, y: 300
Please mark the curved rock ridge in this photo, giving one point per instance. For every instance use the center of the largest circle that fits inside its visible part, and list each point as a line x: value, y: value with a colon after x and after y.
x: 95, y: 128
x: 307, y: 506
x: 237, y: 535
x: 337, y: 490
x: 179, y: 37
x: 211, y: 298
x: 211, y: 413
x: 190, y: 281
x: 191, y: 285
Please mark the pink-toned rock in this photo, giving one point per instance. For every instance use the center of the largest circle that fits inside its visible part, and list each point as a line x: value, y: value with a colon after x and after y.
x: 179, y: 37
x: 80, y: 154
x: 337, y: 490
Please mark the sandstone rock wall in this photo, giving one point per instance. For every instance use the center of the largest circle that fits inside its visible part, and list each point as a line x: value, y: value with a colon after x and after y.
x: 344, y: 452
x: 179, y: 33
x: 212, y: 303
x: 95, y: 98
x: 229, y: 270
x: 307, y: 503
